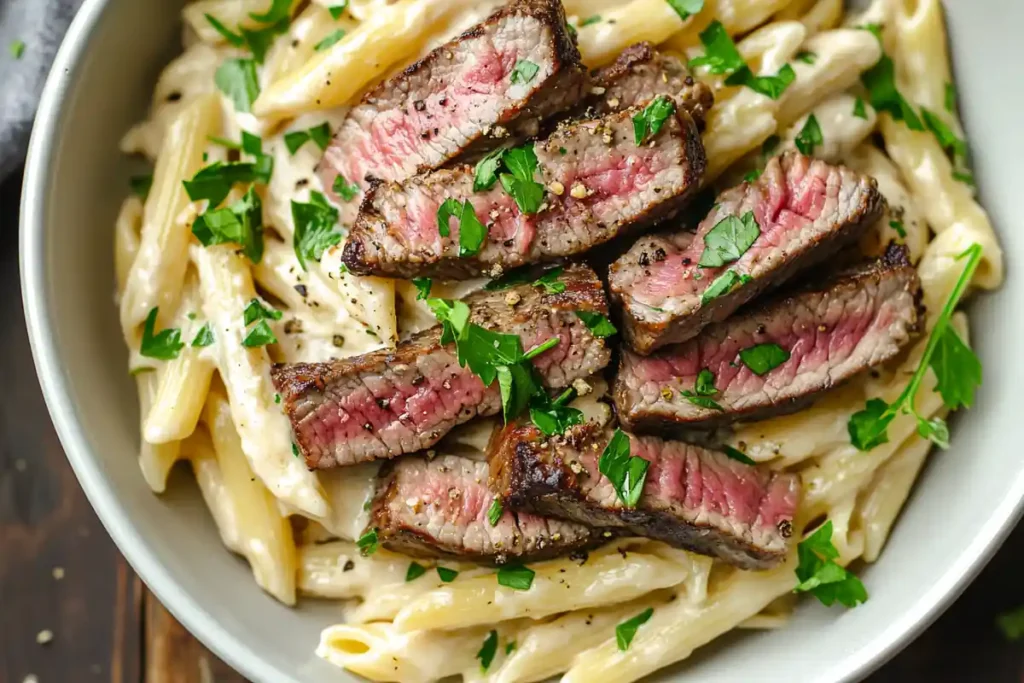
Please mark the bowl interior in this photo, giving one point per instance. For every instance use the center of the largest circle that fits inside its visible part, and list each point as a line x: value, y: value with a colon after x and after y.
x: 966, y: 501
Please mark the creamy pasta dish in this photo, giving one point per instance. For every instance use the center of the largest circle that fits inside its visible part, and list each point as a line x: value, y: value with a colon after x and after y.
x: 551, y: 337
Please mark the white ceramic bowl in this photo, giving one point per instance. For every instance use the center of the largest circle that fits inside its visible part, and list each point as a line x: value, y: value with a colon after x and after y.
x: 965, y: 503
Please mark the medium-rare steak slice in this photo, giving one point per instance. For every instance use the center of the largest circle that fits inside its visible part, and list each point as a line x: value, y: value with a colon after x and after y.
x: 498, y: 80
x: 597, y: 183
x: 390, y: 402
x: 642, y: 73
x: 693, y: 498
x: 799, y: 212
x: 828, y: 332
x: 439, y: 508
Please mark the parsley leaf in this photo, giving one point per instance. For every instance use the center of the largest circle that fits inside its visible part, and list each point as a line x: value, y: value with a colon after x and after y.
x: 344, y: 189
x: 703, y: 389
x: 259, y: 335
x: 330, y: 40
x: 241, y: 223
x: 368, y: 543
x: 495, y: 512
x: 957, y: 369
x: 720, y: 53
x: 141, y: 185
x: 819, y: 573
x: 446, y: 575
x: 472, y: 233
x: 763, y: 358
x: 898, y: 227
x: 597, y: 323
x: 590, y: 20
x: 315, y: 225
x: 858, y: 109
x: 204, y: 337
x: 946, y: 137
x: 686, y: 8
x: 729, y: 240
x: 769, y: 86
x: 510, y: 647
x: 738, y: 455
x: 520, y: 276
x: 164, y: 345
x: 236, y: 78
x: 554, y: 417
x: 625, y: 631
x: 723, y: 284
x: 257, y: 311
x: 809, y: 136
x: 806, y: 57
x: 651, y: 120
x: 516, y: 576
x: 549, y: 281
x: 488, y: 650
x: 233, y: 38
x: 520, y: 183
x: 626, y: 472
x: 259, y: 41
x: 415, y: 571
x: 423, y: 286
x: 950, y: 99
x: 321, y: 135
x: 770, y: 144
x: 880, y: 80
x: 279, y: 9
x: 17, y: 48
x: 214, y: 182
x: 486, y: 173
x: 338, y: 9
x: 524, y: 72
x: 1012, y: 624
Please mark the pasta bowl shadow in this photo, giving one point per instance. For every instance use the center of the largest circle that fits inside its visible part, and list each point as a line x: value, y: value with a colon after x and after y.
x: 963, y: 506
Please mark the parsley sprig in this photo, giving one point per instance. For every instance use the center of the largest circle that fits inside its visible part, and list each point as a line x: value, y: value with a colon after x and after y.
x: 729, y: 240
x: 722, y: 57
x: 649, y: 121
x: 625, y: 471
x: 163, y: 345
x: 516, y: 169
x: 316, y: 230
x: 472, y: 233
x: 822, y: 576
x: 957, y: 371
x: 703, y: 390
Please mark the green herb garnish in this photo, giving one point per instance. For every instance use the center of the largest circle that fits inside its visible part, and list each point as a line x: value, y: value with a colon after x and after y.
x: 330, y: 40
x: 255, y: 310
x: 344, y: 189
x: 516, y: 576
x: 820, y: 575
x: 650, y: 121
x: 703, y: 390
x: 279, y: 9
x: 950, y: 99
x: 17, y: 48
x: 315, y: 228
x: 809, y: 136
x: 524, y: 72
x: 495, y: 512
x: 233, y: 38
x: 472, y: 233
x: 259, y: 335
x: 858, y: 109
x: 415, y: 571
x: 596, y: 18
x: 738, y: 455
x: 686, y: 8
x: 423, y: 286
x: 204, y: 337
x: 723, y: 284
x: 769, y: 86
x: 241, y: 223
x: 626, y: 472
x: 163, y: 345
x: 237, y: 79
x: 488, y: 650
x: 367, y: 543
x: 339, y: 9
x: 625, y: 631
x: 729, y: 240
x: 806, y: 57
x: 520, y: 183
x: 321, y: 135
x: 763, y: 358
x: 446, y: 575
x: 486, y: 172
x: 554, y: 416
x: 597, y: 323
x: 880, y: 80
x: 720, y: 53
x: 1012, y: 624
x: 141, y: 185
x: 898, y: 227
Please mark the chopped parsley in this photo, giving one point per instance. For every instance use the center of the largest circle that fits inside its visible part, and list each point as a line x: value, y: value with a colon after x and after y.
x: 593, y: 19
x: 330, y: 40
x: 472, y: 233
x: 237, y: 79
x: 955, y: 147
x: 368, y: 543
x: 446, y: 575
x: 821, y: 575
x: 321, y: 135
x: 214, y: 182
x: 415, y: 571
x: 763, y: 358
x: 257, y: 311
x: 344, y: 189
x: 315, y: 228
x: 423, y: 286
x: 752, y: 175
x: 956, y: 368
x: 625, y: 631
x: 703, y: 390
x: 728, y: 240
x: 880, y: 80
x: 1012, y: 624
x: 686, y: 8
x: 279, y: 9
x: 495, y: 512
x: 898, y: 227
x: 548, y: 281
x: 241, y: 223
x: 950, y: 99
x: 17, y: 48
x: 651, y: 120
x: 597, y: 323
x: 626, y: 472
x: 520, y: 183
x: 858, y: 109
x: 737, y: 455
x: 722, y: 57
x: 259, y: 335
x: 204, y: 337
x: 233, y: 38
x: 486, y: 172
x: 510, y: 647
x: 488, y: 650
x: 723, y: 284
x: 769, y: 86
x: 554, y: 416
x: 141, y: 185
x: 339, y: 9
x: 809, y: 136
x: 516, y: 576
x: 806, y: 57
x: 524, y: 72
x: 163, y: 345
x: 260, y: 40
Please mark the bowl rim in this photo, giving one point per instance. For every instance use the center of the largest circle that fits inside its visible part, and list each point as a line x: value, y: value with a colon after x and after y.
x: 43, y: 148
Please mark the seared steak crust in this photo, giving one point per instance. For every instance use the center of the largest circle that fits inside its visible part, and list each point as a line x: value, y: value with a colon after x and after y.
x: 693, y: 498
x: 832, y: 331
x: 460, y: 99
x: 439, y: 508
x: 390, y: 402
x: 598, y: 184
x: 806, y: 211
x: 642, y: 73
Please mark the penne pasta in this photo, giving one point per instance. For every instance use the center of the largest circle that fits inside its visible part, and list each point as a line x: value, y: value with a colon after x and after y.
x: 155, y: 460
x: 621, y: 26
x: 233, y: 14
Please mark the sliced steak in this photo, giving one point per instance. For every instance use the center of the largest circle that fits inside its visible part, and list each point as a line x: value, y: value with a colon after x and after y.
x: 831, y: 332
x: 461, y: 97
x: 598, y: 184
x: 806, y: 211
x: 693, y: 498
x: 640, y: 74
x: 386, y: 403
x: 439, y: 508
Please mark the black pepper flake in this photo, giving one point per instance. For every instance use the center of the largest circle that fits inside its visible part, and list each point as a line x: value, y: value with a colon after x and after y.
x: 660, y: 255
x: 174, y: 96
x: 338, y: 340
x: 785, y: 528
x: 349, y: 566
x: 419, y: 105
x: 368, y: 427
x: 761, y: 329
x: 301, y: 289
x: 579, y: 556
x: 644, y: 259
x: 686, y: 261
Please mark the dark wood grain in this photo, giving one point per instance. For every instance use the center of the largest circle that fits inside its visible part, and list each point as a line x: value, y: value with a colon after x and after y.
x: 107, y: 627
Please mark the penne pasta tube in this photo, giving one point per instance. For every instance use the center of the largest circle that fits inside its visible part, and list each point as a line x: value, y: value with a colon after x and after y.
x: 227, y: 288
x: 155, y: 460
x: 265, y: 535
x: 737, y: 16
x: 825, y: 15
x: 337, y: 570
x: 305, y: 33
x: 199, y: 450
x: 126, y: 239
x: 560, y: 585
x: 628, y: 23
x: 158, y: 272
x: 233, y: 14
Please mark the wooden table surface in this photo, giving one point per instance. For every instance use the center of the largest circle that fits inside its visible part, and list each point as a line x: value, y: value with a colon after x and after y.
x: 72, y: 610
